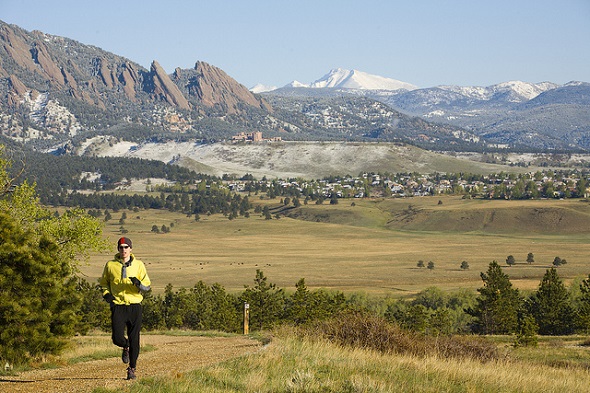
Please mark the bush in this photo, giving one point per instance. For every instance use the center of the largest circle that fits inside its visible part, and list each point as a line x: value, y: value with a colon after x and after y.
x: 360, y: 330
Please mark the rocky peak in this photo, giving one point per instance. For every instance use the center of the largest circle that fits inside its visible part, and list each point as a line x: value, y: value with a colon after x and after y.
x: 165, y: 89
x: 85, y: 79
x: 213, y: 87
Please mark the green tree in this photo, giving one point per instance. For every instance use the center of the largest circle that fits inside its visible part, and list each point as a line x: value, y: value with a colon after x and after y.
x: 420, y: 263
x: 299, y: 305
x: 510, y: 261
x: 333, y: 199
x: 527, y: 332
x: 497, y: 306
x: 584, y: 306
x: 92, y: 311
x: 551, y: 306
x: 38, y: 296
x: 432, y: 298
x: 464, y: 265
x: 266, y: 213
x: 39, y: 256
x: 530, y: 258
x: 581, y: 187
x: 414, y: 317
x: 266, y: 302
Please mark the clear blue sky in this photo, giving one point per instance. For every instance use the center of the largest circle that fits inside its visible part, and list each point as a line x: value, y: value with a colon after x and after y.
x: 273, y: 42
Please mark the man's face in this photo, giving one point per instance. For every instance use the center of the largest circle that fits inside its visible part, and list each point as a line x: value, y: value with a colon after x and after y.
x: 124, y: 250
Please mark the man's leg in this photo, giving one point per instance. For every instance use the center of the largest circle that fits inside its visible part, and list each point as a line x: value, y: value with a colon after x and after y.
x: 133, y: 329
x: 118, y: 321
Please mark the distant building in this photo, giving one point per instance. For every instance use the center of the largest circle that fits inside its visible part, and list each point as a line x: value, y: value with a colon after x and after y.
x: 252, y: 137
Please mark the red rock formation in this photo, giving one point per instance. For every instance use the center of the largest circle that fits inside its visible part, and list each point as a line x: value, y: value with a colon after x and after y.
x: 165, y: 89
x: 214, y: 86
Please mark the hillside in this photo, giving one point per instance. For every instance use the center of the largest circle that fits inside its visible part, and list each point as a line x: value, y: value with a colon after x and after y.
x: 292, y: 159
x: 456, y: 215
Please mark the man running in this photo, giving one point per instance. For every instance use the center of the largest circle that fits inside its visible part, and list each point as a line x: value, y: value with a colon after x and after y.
x: 123, y: 281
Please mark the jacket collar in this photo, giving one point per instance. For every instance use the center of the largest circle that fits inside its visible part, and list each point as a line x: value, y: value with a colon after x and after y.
x: 120, y: 260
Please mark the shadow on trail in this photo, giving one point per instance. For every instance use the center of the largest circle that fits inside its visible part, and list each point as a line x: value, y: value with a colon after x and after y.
x: 4, y: 380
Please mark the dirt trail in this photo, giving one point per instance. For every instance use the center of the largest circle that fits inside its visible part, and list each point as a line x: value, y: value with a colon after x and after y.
x: 172, y: 357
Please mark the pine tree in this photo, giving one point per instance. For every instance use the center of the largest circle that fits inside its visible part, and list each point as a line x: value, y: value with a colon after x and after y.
x: 584, y: 308
x: 551, y: 306
x: 496, y: 311
x: 38, y: 294
x: 530, y: 258
x: 266, y: 302
x: 39, y: 257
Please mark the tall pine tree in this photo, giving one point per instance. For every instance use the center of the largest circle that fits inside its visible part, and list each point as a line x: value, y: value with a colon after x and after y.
x: 498, y: 303
x: 38, y: 295
x: 551, y: 306
x: 39, y: 255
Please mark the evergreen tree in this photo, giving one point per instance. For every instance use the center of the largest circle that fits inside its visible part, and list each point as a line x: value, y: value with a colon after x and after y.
x: 551, y: 306
x: 584, y: 307
x: 496, y: 311
x: 38, y: 295
x: 527, y: 332
x: 266, y: 213
x: 266, y: 302
x: 39, y: 256
x: 530, y: 258
x: 299, y: 304
x: 510, y: 260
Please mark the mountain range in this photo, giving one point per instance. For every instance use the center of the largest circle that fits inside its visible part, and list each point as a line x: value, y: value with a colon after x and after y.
x: 55, y: 91
x: 539, y: 116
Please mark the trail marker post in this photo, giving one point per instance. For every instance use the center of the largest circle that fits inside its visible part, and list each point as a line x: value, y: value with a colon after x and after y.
x: 246, y: 317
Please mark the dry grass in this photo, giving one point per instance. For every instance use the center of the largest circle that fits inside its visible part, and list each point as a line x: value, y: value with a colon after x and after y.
x: 355, y: 248
x: 291, y: 364
x: 355, y: 330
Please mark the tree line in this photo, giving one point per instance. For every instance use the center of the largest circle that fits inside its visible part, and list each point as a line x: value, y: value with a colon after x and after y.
x: 496, y: 308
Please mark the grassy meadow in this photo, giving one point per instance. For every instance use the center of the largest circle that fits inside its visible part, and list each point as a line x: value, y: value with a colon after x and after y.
x: 366, y: 245
x: 290, y: 363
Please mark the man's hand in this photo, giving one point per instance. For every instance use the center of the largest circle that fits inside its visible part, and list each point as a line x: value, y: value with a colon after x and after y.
x: 108, y: 297
x: 135, y: 281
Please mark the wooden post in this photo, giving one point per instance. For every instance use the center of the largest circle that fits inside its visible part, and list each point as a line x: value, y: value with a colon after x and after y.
x: 246, y: 317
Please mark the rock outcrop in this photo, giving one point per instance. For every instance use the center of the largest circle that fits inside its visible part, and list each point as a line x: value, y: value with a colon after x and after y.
x: 213, y: 87
x: 114, y: 90
x: 165, y: 89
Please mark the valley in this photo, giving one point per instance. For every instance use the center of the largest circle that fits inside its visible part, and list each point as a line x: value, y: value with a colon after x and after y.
x: 369, y: 246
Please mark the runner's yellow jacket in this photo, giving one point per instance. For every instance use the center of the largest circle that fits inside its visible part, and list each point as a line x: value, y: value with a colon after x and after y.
x: 115, y: 280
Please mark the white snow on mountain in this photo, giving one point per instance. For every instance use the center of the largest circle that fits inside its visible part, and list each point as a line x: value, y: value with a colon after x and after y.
x: 297, y: 84
x: 520, y: 91
x: 354, y: 79
x: 260, y: 88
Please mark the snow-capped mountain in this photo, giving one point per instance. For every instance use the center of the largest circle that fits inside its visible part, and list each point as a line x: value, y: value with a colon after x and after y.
x: 512, y: 91
x: 340, y: 78
x: 260, y: 88
x: 540, y: 115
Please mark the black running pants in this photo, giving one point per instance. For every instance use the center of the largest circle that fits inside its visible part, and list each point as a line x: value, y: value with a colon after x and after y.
x: 127, y: 317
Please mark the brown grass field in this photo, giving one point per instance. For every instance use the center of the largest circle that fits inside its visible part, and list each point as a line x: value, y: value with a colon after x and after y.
x: 371, y: 247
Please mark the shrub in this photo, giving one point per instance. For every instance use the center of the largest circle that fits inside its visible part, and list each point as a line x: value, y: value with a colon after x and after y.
x: 360, y: 330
